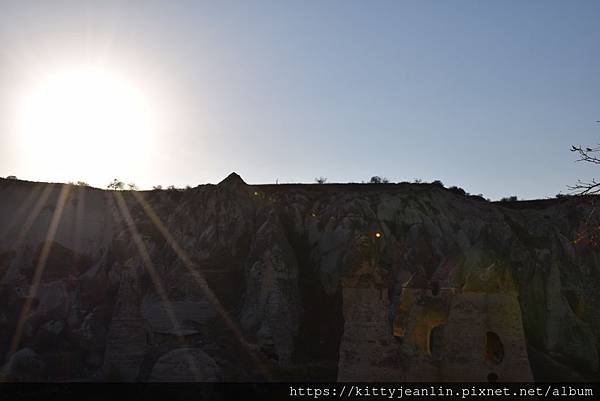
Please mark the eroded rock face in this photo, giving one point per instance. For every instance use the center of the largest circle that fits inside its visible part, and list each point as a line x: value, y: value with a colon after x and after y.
x: 127, y: 335
x: 185, y: 365
x: 24, y: 365
x: 271, y: 306
x: 297, y: 282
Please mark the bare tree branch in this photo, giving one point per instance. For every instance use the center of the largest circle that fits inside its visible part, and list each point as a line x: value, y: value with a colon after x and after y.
x: 585, y: 154
x: 588, y: 155
x: 585, y: 188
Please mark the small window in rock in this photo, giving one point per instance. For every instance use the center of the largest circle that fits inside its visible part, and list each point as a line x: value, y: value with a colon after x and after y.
x: 436, y: 342
x: 494, y: 350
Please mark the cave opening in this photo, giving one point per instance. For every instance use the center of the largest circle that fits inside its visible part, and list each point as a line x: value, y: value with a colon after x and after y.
x: 494, y: 349
x: 436, y: 342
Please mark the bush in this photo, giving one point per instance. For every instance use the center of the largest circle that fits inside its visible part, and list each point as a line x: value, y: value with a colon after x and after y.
x: 509, y: 199
x: 480, y: 197
x: 321, y: 180
x: 438, y: 183
x: 458, y: 191
x: 116, y: 185
x: 378, y: 180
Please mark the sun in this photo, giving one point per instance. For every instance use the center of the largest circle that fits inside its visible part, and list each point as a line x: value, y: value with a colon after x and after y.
x: 85, y: 123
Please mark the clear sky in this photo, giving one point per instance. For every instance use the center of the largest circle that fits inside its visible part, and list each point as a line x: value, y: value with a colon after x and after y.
x: 486, y: 95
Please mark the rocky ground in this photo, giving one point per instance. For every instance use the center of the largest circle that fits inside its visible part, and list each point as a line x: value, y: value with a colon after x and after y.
x: 240, y: 282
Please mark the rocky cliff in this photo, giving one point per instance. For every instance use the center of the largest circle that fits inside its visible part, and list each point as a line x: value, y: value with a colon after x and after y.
x: 240, y: 282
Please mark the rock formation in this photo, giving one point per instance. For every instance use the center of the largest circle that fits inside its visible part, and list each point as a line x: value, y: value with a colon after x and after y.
x: 127, y: 335
x: 368, y: 282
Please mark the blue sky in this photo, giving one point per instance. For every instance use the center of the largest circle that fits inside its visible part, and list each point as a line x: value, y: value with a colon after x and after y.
x: 485, y: 95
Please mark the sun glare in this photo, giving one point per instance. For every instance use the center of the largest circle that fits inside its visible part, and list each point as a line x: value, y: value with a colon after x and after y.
x: 85, y: 123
